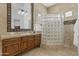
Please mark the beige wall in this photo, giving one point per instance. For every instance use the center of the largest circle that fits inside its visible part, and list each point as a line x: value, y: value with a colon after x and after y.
x: 39, y: 8
x: 65, y: 7
x: 3, y: 17
x: 68, y: 35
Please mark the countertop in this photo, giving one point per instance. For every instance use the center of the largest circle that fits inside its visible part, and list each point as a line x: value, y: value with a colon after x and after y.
x: 16, y: 34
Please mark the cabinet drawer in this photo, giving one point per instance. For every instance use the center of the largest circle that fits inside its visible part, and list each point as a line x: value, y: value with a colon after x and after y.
x: 23, y: 39
x: 11, y: 41
x: 30, y: 37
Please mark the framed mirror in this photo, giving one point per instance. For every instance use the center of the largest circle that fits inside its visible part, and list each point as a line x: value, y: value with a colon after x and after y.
x: 19, y: 17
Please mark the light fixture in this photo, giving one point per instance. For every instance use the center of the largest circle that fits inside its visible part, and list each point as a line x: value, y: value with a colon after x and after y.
x: 22, y: 12
x: 19, y: 12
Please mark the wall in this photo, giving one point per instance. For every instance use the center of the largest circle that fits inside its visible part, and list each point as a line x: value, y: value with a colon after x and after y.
x: 65, y: 7
x: 39, y: 9
x: 68, y: 35
x: 3, y: 17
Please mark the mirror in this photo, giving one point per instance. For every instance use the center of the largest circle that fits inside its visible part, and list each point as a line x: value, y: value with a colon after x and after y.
x: 19, y: 17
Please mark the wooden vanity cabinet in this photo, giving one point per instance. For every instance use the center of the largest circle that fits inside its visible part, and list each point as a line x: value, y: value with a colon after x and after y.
x: 11, y: 46
x: 14, y: 46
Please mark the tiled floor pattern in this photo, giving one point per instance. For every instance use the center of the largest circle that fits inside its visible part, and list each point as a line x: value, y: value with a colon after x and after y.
x: 50, y: 52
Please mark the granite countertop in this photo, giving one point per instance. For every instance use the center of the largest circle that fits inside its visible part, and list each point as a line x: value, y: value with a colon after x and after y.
x: 15, y: 34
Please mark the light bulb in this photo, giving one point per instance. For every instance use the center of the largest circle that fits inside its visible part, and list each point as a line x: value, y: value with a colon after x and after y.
x: 22, y: 13
x: 26, y: 14
x: 19, y: 12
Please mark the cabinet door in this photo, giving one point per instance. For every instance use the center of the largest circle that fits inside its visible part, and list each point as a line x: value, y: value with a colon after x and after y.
x: 24, y: 43
x: 30, y: 42
x: 11, y: 46
x: 37, y: 40
x: 11, y: 49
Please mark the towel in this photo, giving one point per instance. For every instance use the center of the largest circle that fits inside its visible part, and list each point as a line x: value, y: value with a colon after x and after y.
x: 76, y: 34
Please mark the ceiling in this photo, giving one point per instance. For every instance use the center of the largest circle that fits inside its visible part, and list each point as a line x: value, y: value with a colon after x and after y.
x: 48, y: 4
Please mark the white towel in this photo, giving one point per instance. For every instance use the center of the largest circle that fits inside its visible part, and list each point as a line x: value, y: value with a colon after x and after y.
x: 76, y: 34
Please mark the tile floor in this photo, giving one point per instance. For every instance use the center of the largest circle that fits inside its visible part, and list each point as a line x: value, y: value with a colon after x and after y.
x: 50, y: 52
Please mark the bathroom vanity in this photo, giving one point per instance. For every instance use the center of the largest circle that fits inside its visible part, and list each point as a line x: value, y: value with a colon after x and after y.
x: 13, y: 44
